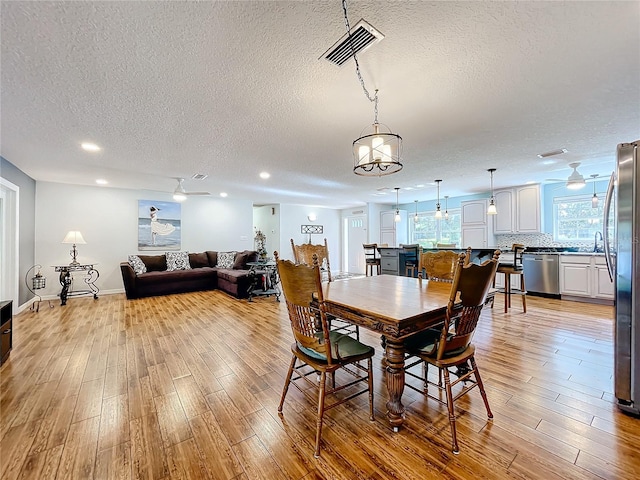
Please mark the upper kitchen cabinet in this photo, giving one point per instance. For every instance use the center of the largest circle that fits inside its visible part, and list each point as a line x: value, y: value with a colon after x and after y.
x: 519, y: 210
x: 391, y: 232
x: 476, y: 225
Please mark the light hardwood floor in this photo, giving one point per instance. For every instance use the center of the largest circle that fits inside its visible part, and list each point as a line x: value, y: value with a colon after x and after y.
x: 187, y: 386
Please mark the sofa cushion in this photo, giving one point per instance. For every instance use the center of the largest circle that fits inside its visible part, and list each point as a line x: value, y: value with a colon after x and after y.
x: 198, y: 260
x: 154, y: 263
x: 177, y: 261
x: 231, y: 275
x: 213, y: 258
x: 240, y: 261
x: 137, y: 264
x: 252, y: 255
x: 226, y: 259
x: 166, y: 277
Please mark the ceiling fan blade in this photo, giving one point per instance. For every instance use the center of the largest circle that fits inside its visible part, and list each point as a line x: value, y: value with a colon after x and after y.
x: 196, y: 193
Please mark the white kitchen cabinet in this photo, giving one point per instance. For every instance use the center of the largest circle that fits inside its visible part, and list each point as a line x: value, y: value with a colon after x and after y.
x: 515, y: 281
x: 391, y: 232
x: 519, y: 210
x: 585, y: 276
x: 476, y: 225
x: 603, y: 284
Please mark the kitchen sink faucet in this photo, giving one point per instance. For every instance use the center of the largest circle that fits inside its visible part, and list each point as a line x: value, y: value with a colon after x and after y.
x: 597, y: 249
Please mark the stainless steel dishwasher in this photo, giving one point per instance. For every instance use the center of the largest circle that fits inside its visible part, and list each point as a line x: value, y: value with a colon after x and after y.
x: 542, y: 273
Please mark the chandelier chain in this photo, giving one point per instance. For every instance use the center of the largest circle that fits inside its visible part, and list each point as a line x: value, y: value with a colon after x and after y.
x: 355, y: 59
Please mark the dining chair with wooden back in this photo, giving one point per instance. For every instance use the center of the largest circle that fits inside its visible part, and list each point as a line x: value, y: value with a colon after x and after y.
x: 514, y: 268
x: 411, y: 260
x: 438, y: 266
x: 371, y: 258
x: 450, y: 346
x: 316, y: 349
x: 304, y: 254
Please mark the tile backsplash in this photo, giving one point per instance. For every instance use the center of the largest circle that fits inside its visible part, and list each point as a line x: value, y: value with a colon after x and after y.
x: 539, y: 240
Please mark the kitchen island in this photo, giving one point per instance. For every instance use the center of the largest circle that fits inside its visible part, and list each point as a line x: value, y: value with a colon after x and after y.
x: 391, y: 258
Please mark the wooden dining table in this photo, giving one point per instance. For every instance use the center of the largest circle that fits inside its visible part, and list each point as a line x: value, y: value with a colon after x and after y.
x: 396, y: 307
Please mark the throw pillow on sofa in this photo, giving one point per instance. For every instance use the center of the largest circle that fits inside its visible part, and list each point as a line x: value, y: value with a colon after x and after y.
x: 226, y: 259
x: 177, y: 261
x: 137, y: 264
x: 198, y: 260
x: 240, y: 261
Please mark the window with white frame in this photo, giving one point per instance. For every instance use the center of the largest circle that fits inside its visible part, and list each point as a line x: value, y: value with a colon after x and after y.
x: 575, y: 220
x: 429, y: 231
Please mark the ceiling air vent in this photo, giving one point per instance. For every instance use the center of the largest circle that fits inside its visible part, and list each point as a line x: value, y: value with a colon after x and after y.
x: 552, y: 153
x: 199, y: 176
x: 363, y: 35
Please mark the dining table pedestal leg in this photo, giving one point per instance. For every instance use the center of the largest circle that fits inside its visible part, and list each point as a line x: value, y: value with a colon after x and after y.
x: 395, y: 382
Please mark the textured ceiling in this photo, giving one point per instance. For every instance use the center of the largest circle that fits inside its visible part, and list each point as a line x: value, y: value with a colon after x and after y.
x: 230, y: 89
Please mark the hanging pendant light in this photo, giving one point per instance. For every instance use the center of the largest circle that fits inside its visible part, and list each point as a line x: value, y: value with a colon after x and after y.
x: 594, y: 199
x: 397, y: 218
x: 377, y: 153
x: 415, y: 218
x: 438, y: 211
x: 446, y: 211
x: 492, y: 203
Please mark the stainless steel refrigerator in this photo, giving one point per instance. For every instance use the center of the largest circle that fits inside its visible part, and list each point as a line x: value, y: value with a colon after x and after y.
x: 622, y: 251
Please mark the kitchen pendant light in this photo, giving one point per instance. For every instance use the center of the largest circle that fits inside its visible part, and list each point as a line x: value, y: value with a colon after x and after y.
x: 397, y: 218
x: 594, y: 199
x: 492, y: 203
x: 377, y: 153
x: 415, y: 218
x: 446, y: 210
x: 438, y: 211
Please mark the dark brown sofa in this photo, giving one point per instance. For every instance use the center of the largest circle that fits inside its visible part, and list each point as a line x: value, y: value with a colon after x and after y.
x: 204, y: 274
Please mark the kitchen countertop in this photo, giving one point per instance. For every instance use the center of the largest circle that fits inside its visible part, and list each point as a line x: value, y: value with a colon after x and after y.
x: 564, y: 253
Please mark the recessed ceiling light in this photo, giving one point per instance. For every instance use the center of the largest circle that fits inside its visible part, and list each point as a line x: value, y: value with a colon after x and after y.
x: 101, y: 181
x: 548, y: 162
x: 90, y: 147
x: 223, y: 194
x: 420, y: 185
x: 265, y: 175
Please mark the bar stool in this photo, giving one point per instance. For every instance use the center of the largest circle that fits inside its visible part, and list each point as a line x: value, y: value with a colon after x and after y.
x: 410, y: 253
x: 515, y: 269
x: 371, y: 258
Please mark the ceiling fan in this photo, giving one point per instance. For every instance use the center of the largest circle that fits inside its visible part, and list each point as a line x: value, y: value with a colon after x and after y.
x: 180, y: 194
x: 576, y: 179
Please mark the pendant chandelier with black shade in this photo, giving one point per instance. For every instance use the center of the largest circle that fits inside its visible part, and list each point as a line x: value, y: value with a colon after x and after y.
x: 378, y: 153
x: 438, y: 211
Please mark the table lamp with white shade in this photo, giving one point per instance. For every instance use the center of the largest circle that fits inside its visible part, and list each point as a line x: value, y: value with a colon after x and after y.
x: 74, y: 237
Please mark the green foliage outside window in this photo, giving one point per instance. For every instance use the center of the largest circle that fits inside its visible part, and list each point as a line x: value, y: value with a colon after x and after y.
x: 575, y: 220
x: 429, y: 231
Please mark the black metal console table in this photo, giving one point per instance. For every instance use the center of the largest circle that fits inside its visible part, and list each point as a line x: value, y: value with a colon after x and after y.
x: 66, y: 280
x: 264, y: 280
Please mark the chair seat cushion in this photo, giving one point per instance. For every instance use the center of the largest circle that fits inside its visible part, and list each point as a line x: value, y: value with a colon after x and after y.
x: 426, y: 344
x: 343, y: 347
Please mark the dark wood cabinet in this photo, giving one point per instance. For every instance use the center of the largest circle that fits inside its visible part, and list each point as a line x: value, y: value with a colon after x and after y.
x: 6, y: 327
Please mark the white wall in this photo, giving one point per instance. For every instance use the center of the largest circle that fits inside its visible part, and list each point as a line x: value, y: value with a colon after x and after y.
x: 293, y: 216
x: 108, y: 220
